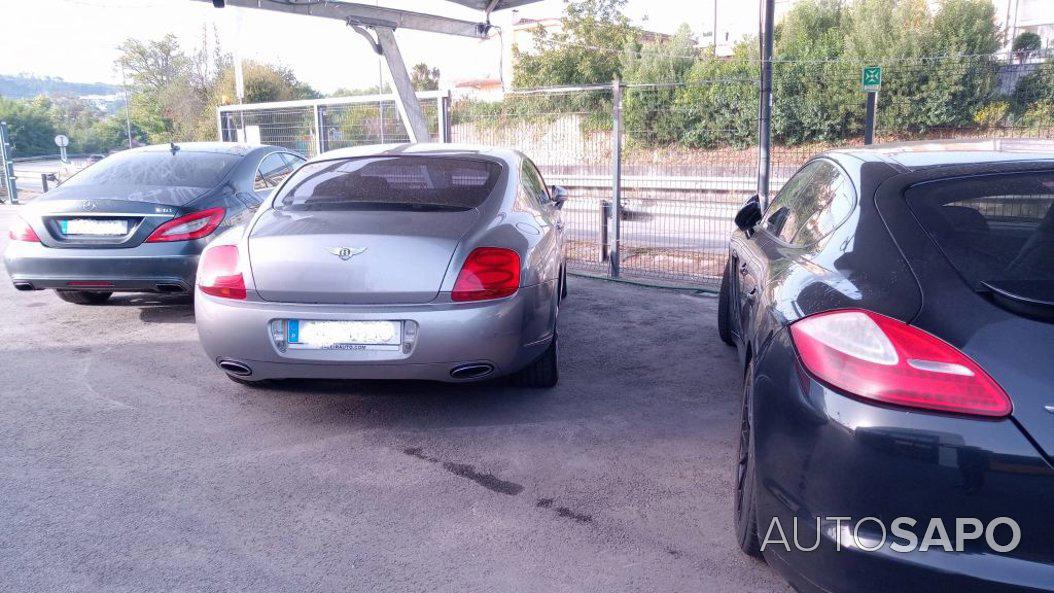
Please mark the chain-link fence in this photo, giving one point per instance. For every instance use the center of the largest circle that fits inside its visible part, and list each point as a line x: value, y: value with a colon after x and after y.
x: 687, y: 149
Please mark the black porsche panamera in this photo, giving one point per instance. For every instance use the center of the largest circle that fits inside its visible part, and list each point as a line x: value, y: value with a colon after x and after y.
x: 893, y: 310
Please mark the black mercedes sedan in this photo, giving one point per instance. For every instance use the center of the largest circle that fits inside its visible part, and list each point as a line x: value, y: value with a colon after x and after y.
x: 893, y: 311
x: 138, y: 220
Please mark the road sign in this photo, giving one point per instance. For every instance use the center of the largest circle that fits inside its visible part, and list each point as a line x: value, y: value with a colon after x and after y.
x: 62, y: 142
x: 871, y: 79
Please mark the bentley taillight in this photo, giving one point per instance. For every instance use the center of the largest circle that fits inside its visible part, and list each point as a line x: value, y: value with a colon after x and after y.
x: 219, y: 273
x: 488, y: 273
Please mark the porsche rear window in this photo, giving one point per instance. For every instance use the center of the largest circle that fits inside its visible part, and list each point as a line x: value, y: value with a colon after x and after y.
x: 995, y: 229
x: 390, y: 183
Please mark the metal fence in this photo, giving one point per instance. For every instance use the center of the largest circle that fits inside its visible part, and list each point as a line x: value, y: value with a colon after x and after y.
x: 317, y: 125
x: 8, y: 190
x: 679, y: 157
x: 675, y: 203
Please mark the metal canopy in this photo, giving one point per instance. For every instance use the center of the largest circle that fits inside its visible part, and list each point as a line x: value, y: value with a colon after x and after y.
x: 378, y: 24
x: 492, y: 5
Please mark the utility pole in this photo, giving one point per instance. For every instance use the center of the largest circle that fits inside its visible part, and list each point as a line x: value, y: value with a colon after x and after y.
x: 127, y: 109
x: 616, y: 175
x: 768, y: 9
x: 715, y: 28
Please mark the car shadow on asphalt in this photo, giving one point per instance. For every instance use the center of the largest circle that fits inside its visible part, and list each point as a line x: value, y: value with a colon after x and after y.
x: 157, y: 308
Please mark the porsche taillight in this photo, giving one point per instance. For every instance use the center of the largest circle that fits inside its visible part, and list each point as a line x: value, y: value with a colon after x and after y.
x: 187, y: 228
x: 882, y: 359
x: 219, y: 273
x: 488, y: 273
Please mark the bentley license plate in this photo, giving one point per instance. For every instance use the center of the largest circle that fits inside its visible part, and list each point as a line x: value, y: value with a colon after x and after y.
x: 344, y: 335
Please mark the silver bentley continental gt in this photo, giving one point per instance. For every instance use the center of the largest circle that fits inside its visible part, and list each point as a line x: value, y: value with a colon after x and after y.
x: 423, y: 261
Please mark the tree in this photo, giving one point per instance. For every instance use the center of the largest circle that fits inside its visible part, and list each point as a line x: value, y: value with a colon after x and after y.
x: 264, y: 83
x: 424, y: 78
x: 920, y: 93
x: 1027, y: 42
x: 153, y: 65
x: 719, y: 100
x: 649, y: 112
x: 175, y: 93
x: 584, y: 50
x: 29, y: 125
x: 815, y: 94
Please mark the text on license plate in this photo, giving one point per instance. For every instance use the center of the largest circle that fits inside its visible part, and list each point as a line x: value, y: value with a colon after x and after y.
x: 344, y: 335
x: 88, y: 226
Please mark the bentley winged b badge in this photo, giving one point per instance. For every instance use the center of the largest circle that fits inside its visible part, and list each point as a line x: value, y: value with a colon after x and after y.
x: 346, y: 253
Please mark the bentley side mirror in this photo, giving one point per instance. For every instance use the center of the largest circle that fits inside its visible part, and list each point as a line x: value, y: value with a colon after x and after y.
x: 749, y: 214
x: 559, y: 195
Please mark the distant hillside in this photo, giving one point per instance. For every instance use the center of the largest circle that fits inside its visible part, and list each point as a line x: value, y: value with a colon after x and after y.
x: 22, y: 86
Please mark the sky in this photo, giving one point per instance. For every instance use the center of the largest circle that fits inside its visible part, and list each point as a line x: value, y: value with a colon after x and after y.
x: 77, y: 39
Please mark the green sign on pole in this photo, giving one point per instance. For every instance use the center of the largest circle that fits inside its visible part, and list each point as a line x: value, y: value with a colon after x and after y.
x: 871, y: 79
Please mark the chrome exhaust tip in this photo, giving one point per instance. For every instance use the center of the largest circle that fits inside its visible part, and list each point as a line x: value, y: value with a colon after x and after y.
x: 472, y: 371
x: 235, y: 368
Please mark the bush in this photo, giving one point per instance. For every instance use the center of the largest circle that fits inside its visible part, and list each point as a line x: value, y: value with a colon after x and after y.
x: 815, y: 96
x: 650, y: 114
x: 1027, y: 42
x: 1034, y: 88
x: 992, y: 115
x: 1039, y: 116
x: 719, y: 102
x: 29, y: 126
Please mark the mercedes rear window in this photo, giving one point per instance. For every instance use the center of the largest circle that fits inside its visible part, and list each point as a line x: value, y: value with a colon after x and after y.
x: 180, y: 169
x: 996, y: 230
x: 390, y: 183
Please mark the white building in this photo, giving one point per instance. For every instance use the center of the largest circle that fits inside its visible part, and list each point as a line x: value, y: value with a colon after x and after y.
x: 1018, y: 16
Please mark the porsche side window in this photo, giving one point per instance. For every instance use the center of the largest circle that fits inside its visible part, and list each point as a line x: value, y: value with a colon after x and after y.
x: 780, y: 213
x: 830, y: 199
x: 798, y: 213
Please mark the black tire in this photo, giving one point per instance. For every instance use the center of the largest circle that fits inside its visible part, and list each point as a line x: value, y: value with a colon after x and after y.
x: 543, y: 373
x: 84, y: 297
x: 724, y: 310
x: 744, y: 477
x: 563, y: 282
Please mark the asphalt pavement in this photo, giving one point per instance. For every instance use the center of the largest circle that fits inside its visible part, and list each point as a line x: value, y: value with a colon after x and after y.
x: 130, y: 463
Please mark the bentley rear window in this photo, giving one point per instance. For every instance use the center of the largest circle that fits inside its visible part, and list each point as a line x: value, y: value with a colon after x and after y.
x: 390, y: 183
